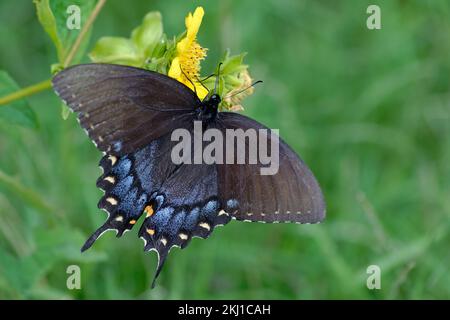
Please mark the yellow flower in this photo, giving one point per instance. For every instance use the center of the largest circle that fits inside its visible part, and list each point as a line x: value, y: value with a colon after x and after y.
x: 185, y: 66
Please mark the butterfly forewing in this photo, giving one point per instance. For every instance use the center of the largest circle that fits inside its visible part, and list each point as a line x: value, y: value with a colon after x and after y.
x: 124, y: 108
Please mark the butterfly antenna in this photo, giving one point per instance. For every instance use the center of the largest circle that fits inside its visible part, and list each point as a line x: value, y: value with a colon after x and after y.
x: 240, y: 91
x: 204, y: 79
x: 200, y: 81
x: 216, y: 85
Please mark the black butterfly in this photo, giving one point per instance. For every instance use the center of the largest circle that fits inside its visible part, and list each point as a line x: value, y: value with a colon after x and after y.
x: 130, y: 113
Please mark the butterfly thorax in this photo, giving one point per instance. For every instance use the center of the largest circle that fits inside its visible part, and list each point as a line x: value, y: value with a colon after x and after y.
x: 208, y: 109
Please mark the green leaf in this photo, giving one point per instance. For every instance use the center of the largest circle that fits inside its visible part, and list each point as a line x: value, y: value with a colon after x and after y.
x: 66, y: 35
x: 48, y: 22
x: 146, y: 46
x: 18, y: 111
x: 53, y: 16
x: 115, y: 50
x: 148, y: 35
x: 233, y: 64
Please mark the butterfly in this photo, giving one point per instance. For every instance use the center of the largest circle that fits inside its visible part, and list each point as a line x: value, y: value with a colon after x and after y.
x: 130, y: 115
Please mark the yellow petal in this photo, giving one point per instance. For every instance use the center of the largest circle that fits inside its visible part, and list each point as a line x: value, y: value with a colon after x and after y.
x: 193, y: 23
x: 185, y: 67
x: 183, y: 45
x: 175, y: 70
x: 201, y: 91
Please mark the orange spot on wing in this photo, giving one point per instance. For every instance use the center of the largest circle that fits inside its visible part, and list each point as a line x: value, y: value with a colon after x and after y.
x: 149, y: 211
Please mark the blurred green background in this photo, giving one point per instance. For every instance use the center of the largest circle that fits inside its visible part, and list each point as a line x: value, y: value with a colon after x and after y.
x: 368, y: 111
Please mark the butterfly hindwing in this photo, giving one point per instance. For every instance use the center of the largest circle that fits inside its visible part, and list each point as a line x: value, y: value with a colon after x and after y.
x: 178, y: 202
x: 124, y: 108
x: 290, y: 195
x: 186, y: 206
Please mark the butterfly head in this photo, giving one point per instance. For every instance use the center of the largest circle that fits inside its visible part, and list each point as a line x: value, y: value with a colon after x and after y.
x: 215, y: 100
x: 209, y: 108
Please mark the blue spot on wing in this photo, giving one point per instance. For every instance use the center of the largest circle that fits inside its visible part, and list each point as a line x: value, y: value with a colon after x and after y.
x: 123, y: 186
x: 232, y: 204
x: 161, y: 217
x: 209, y: 210
x: 130, y: 204
x: 122, y: 168
x: 174, y: 225
x: 117, y: 146
x: 192, y: 219
x: 142, y: 200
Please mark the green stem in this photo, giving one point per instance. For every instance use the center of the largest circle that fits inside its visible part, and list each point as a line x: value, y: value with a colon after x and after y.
x: 83, y: 32
x: 28, y: 91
